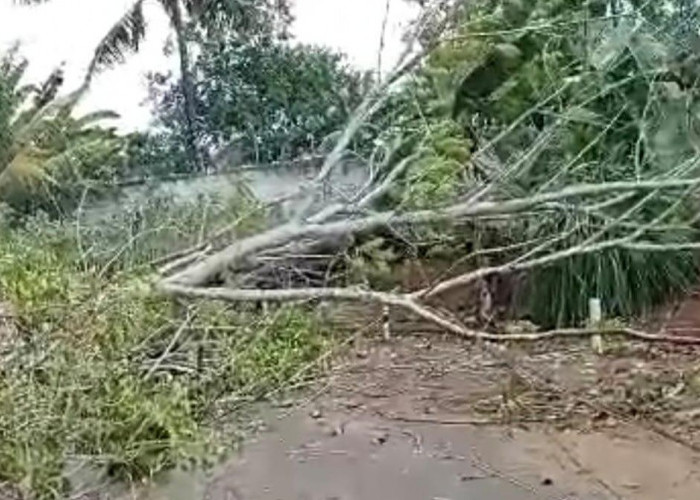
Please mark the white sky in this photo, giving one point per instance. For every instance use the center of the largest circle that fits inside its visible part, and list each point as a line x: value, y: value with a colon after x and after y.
x: 68, y: 30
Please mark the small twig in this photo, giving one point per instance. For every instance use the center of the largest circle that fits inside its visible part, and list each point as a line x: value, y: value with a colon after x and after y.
x: 78, y: 234
x: 186, y: 259
x: 173, y: 342
x: 460, y: 421
x: 487, y: 468
x: 203, y: 225
x: 124, y: 248
x: 382, y: 38
x: 417, y: 442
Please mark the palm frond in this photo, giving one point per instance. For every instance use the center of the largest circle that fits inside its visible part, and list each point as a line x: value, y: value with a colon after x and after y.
x: 34, y: 121
x: 94, y: 117
x: 24, y: 171
x: 36, y: 126
x: 124, y: 37
x: 13, y: 69
x: 44, y: 150
x: 76, y: 162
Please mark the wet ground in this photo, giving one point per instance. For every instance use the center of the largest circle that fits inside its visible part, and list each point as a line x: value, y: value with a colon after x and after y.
x: 376, y: 459
x: 433, y: 419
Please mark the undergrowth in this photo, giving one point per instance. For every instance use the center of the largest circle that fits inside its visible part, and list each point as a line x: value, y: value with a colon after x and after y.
x: 98, y: 369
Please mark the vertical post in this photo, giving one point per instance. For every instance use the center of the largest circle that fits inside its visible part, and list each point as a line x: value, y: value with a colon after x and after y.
x: 386, y: 322
x: 595, y: 317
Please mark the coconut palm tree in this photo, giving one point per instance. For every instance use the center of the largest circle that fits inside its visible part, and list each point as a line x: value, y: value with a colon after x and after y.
x: 129, y: 31
x: 127, y: 34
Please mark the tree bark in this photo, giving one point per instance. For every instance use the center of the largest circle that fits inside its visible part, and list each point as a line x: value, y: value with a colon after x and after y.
x: 407, y: 302
x: 188, y: 89
x: 202, y: 272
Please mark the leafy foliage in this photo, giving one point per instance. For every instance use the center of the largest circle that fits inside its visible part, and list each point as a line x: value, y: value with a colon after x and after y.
x: 108, y: 375
x: 154, y: 154
x: 272, y: 101
x: 46, y: 155
x: 535, y: 96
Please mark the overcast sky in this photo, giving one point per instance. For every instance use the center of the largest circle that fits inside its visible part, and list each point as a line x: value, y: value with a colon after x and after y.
x: 68, y: 30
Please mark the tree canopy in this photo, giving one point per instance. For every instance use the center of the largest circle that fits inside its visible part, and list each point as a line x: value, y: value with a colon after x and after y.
x: 535, y: 96
x: 270, y: 100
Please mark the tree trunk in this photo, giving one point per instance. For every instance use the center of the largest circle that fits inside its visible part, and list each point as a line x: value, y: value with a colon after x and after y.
x: 188, y: 90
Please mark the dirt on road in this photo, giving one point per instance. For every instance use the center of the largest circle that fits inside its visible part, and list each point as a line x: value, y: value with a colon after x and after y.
x: 429, y: 418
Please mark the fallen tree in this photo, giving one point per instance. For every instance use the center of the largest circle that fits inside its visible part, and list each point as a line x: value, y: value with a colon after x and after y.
x: 590, y: 170
x: 193, y: 282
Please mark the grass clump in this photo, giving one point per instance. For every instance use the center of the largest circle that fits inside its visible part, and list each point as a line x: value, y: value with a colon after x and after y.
x: 102, y: 371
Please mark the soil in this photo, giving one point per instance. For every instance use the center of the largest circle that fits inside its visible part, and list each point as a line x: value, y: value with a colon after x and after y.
x: 431, y: 418
x: 684, y: 317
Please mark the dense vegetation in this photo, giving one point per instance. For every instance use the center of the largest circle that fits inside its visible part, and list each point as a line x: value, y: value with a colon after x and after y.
x: 542, y: 95
x: 47, y: 156
x: 525, y: 97
x: 267, y: 100
x: 99, y: 372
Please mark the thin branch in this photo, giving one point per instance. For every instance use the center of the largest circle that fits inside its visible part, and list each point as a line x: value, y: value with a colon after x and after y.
x: 78, y: 232
x: 202, y: 272
x: 373, y: 102
x: 406, y: 302
x: 388, y: 181
x: 171, y: 345
x: 184, y: 260
x: 513, y: 267
x: 382, y: 38
x: 643, y: 246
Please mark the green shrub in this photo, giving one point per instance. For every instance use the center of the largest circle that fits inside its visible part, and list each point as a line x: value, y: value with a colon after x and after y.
x: 106, y: 371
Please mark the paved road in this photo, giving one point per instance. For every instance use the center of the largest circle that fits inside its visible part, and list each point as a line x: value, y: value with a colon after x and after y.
x: 331, y: 458
x: 346, y: 445
x: 371, y: 459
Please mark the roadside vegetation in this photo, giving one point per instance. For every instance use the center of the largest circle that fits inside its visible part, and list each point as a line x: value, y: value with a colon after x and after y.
x: 100, y: 372
x: 550, y: 143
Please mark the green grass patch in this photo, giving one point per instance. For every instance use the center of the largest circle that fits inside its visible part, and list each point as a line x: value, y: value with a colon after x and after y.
x: 104, y: 371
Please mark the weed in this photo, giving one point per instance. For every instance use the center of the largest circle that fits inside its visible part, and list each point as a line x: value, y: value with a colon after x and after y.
x: 106, y: 372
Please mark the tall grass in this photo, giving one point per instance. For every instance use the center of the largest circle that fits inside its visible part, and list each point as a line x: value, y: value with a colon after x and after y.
x: 102, y: 371
x: 593, y: 99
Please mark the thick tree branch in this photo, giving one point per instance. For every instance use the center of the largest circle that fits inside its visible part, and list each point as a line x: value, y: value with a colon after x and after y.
x: 203, y: 272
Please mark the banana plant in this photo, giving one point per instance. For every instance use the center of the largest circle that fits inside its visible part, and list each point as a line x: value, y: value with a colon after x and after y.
x: 44, y: 149
x: 210, y: 16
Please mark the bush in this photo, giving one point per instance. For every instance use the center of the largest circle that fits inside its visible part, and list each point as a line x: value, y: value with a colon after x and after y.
x: 274, y: 101
x: 104, y: 371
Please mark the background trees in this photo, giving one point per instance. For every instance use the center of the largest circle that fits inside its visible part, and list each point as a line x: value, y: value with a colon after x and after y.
x: 270, y: 100
x: 245, y: 19
x: 46, y: 154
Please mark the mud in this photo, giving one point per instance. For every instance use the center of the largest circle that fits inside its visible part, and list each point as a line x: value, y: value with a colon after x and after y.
x: 434, y: 419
